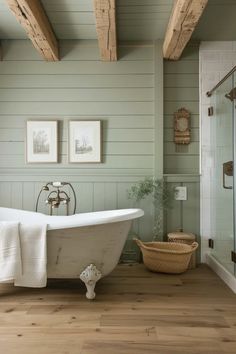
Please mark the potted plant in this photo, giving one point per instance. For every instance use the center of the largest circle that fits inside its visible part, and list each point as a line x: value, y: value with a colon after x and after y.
x: 164, y: 257
x: 160, y: 197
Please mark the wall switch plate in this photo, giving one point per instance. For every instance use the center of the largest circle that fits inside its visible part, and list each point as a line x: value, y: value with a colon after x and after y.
x: 181, y: 193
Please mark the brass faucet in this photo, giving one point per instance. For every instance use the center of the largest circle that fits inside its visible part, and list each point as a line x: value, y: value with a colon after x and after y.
x: 57, y: 196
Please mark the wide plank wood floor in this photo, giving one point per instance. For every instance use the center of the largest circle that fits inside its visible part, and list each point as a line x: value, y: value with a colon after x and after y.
x: 135, y: 312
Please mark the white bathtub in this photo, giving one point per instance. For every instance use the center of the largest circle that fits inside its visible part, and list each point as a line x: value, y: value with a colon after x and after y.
x: 86, y: 246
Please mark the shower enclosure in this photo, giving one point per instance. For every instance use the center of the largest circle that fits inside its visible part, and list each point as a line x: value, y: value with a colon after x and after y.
x: 223, y: 179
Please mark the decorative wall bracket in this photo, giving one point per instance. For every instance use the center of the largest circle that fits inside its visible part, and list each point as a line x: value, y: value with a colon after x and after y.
x: 90, y: 276
x: 182, y: 126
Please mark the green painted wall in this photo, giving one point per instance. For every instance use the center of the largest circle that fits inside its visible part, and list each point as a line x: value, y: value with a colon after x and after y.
x: 181, y: 163
x: 121, y: 94
x: 181, y: 89
x: 128, y: 97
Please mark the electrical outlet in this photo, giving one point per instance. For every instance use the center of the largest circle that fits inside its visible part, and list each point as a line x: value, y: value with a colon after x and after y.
x: 181, y: 193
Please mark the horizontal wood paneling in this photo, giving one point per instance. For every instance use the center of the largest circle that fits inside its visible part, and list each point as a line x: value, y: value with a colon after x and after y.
x: 172, y: 149
x: 77, y: 95
x: 182, y: 163
x: 83, y: 81
x: 109, y: 148
x: 87, y: 50
x: 81, y: 87
x: 119, y: 135
x: 171, y: 106
x: 110, y: 121
x: 181, y: 89
x: 85, y: 108
x: 181, y: 81
x: 122, y: 96
x: 92, y: 67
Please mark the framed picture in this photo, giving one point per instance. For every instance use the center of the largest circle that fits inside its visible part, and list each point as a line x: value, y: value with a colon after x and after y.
x: 41, y: 141
x: 84, y: 141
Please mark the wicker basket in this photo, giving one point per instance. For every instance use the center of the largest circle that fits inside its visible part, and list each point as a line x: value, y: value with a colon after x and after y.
x: 166, y: 257
x: 183, y: 237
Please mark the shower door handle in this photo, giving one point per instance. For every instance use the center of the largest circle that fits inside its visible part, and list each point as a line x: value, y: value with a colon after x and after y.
x: 228, y: 170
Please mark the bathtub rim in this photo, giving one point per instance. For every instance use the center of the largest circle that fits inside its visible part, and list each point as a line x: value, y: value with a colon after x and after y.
x: 57, y: 222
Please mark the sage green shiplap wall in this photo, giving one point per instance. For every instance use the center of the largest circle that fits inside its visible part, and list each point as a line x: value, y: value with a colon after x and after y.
x: 181, y: 163
x: 181, y: 89
x: 124, y: 95
x: 80, y: 86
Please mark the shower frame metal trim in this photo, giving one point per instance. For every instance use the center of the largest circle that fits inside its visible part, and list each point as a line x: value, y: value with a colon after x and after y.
x: 209, y: 93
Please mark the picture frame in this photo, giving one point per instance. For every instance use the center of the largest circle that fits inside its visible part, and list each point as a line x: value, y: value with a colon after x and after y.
x: 42, y: 141
x: 84, y: 141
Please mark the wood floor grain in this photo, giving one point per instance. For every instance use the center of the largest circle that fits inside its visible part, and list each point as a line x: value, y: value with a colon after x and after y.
x: 135, y: 312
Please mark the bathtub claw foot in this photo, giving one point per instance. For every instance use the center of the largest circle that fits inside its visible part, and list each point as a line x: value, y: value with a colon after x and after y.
x: 90, y: 276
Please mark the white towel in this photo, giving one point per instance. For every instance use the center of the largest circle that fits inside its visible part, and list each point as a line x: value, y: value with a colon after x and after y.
x: 27, y: 261
x: 10, y: 256
x: 33, y: 246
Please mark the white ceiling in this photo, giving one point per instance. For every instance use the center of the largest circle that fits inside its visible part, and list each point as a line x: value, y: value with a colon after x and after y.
x: 136, y: 20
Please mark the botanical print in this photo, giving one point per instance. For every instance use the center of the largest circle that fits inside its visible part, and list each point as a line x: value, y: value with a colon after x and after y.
x: 41, y: 141
x: 84, y: 141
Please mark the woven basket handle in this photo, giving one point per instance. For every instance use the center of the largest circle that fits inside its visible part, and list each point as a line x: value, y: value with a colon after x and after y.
x: 139, y: 242
x: 194, y: 246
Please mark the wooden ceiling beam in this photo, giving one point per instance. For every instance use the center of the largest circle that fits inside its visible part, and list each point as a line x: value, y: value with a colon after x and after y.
x: 32, y: 17
x: 105, y: 14
x: 183, y: 20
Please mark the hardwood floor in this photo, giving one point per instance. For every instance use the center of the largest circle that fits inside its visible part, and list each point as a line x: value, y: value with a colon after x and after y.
x: 135, y: 312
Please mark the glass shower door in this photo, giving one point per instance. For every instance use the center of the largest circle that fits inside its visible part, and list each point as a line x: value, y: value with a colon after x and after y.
x: 234, y: 171
x: 222, y: 196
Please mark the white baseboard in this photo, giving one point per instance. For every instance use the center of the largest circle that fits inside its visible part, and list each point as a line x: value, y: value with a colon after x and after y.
x: 223, y: 273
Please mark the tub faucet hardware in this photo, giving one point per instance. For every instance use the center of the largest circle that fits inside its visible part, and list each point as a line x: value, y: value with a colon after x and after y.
x: 57, y: 196
x: 228, y: 168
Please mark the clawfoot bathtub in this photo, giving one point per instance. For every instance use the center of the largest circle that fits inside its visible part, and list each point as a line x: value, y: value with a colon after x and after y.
x: 86, y: 246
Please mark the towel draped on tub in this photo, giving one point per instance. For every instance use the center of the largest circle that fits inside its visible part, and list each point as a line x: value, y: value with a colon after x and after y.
x: 23, y: 254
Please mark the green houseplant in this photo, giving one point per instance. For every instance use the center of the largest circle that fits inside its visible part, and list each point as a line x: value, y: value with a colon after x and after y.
x: 157, y: 189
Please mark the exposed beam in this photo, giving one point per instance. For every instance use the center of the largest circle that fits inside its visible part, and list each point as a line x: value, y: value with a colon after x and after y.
x: 32, y: 17
x: 105, y: 14
x: 183, y: 20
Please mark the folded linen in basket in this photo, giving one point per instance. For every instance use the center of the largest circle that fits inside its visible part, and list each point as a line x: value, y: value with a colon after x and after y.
x: 30, y: 254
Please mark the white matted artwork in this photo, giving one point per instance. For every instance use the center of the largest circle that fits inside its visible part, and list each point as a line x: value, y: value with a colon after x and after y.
x: 84, y: 141
x: 41, y: 141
